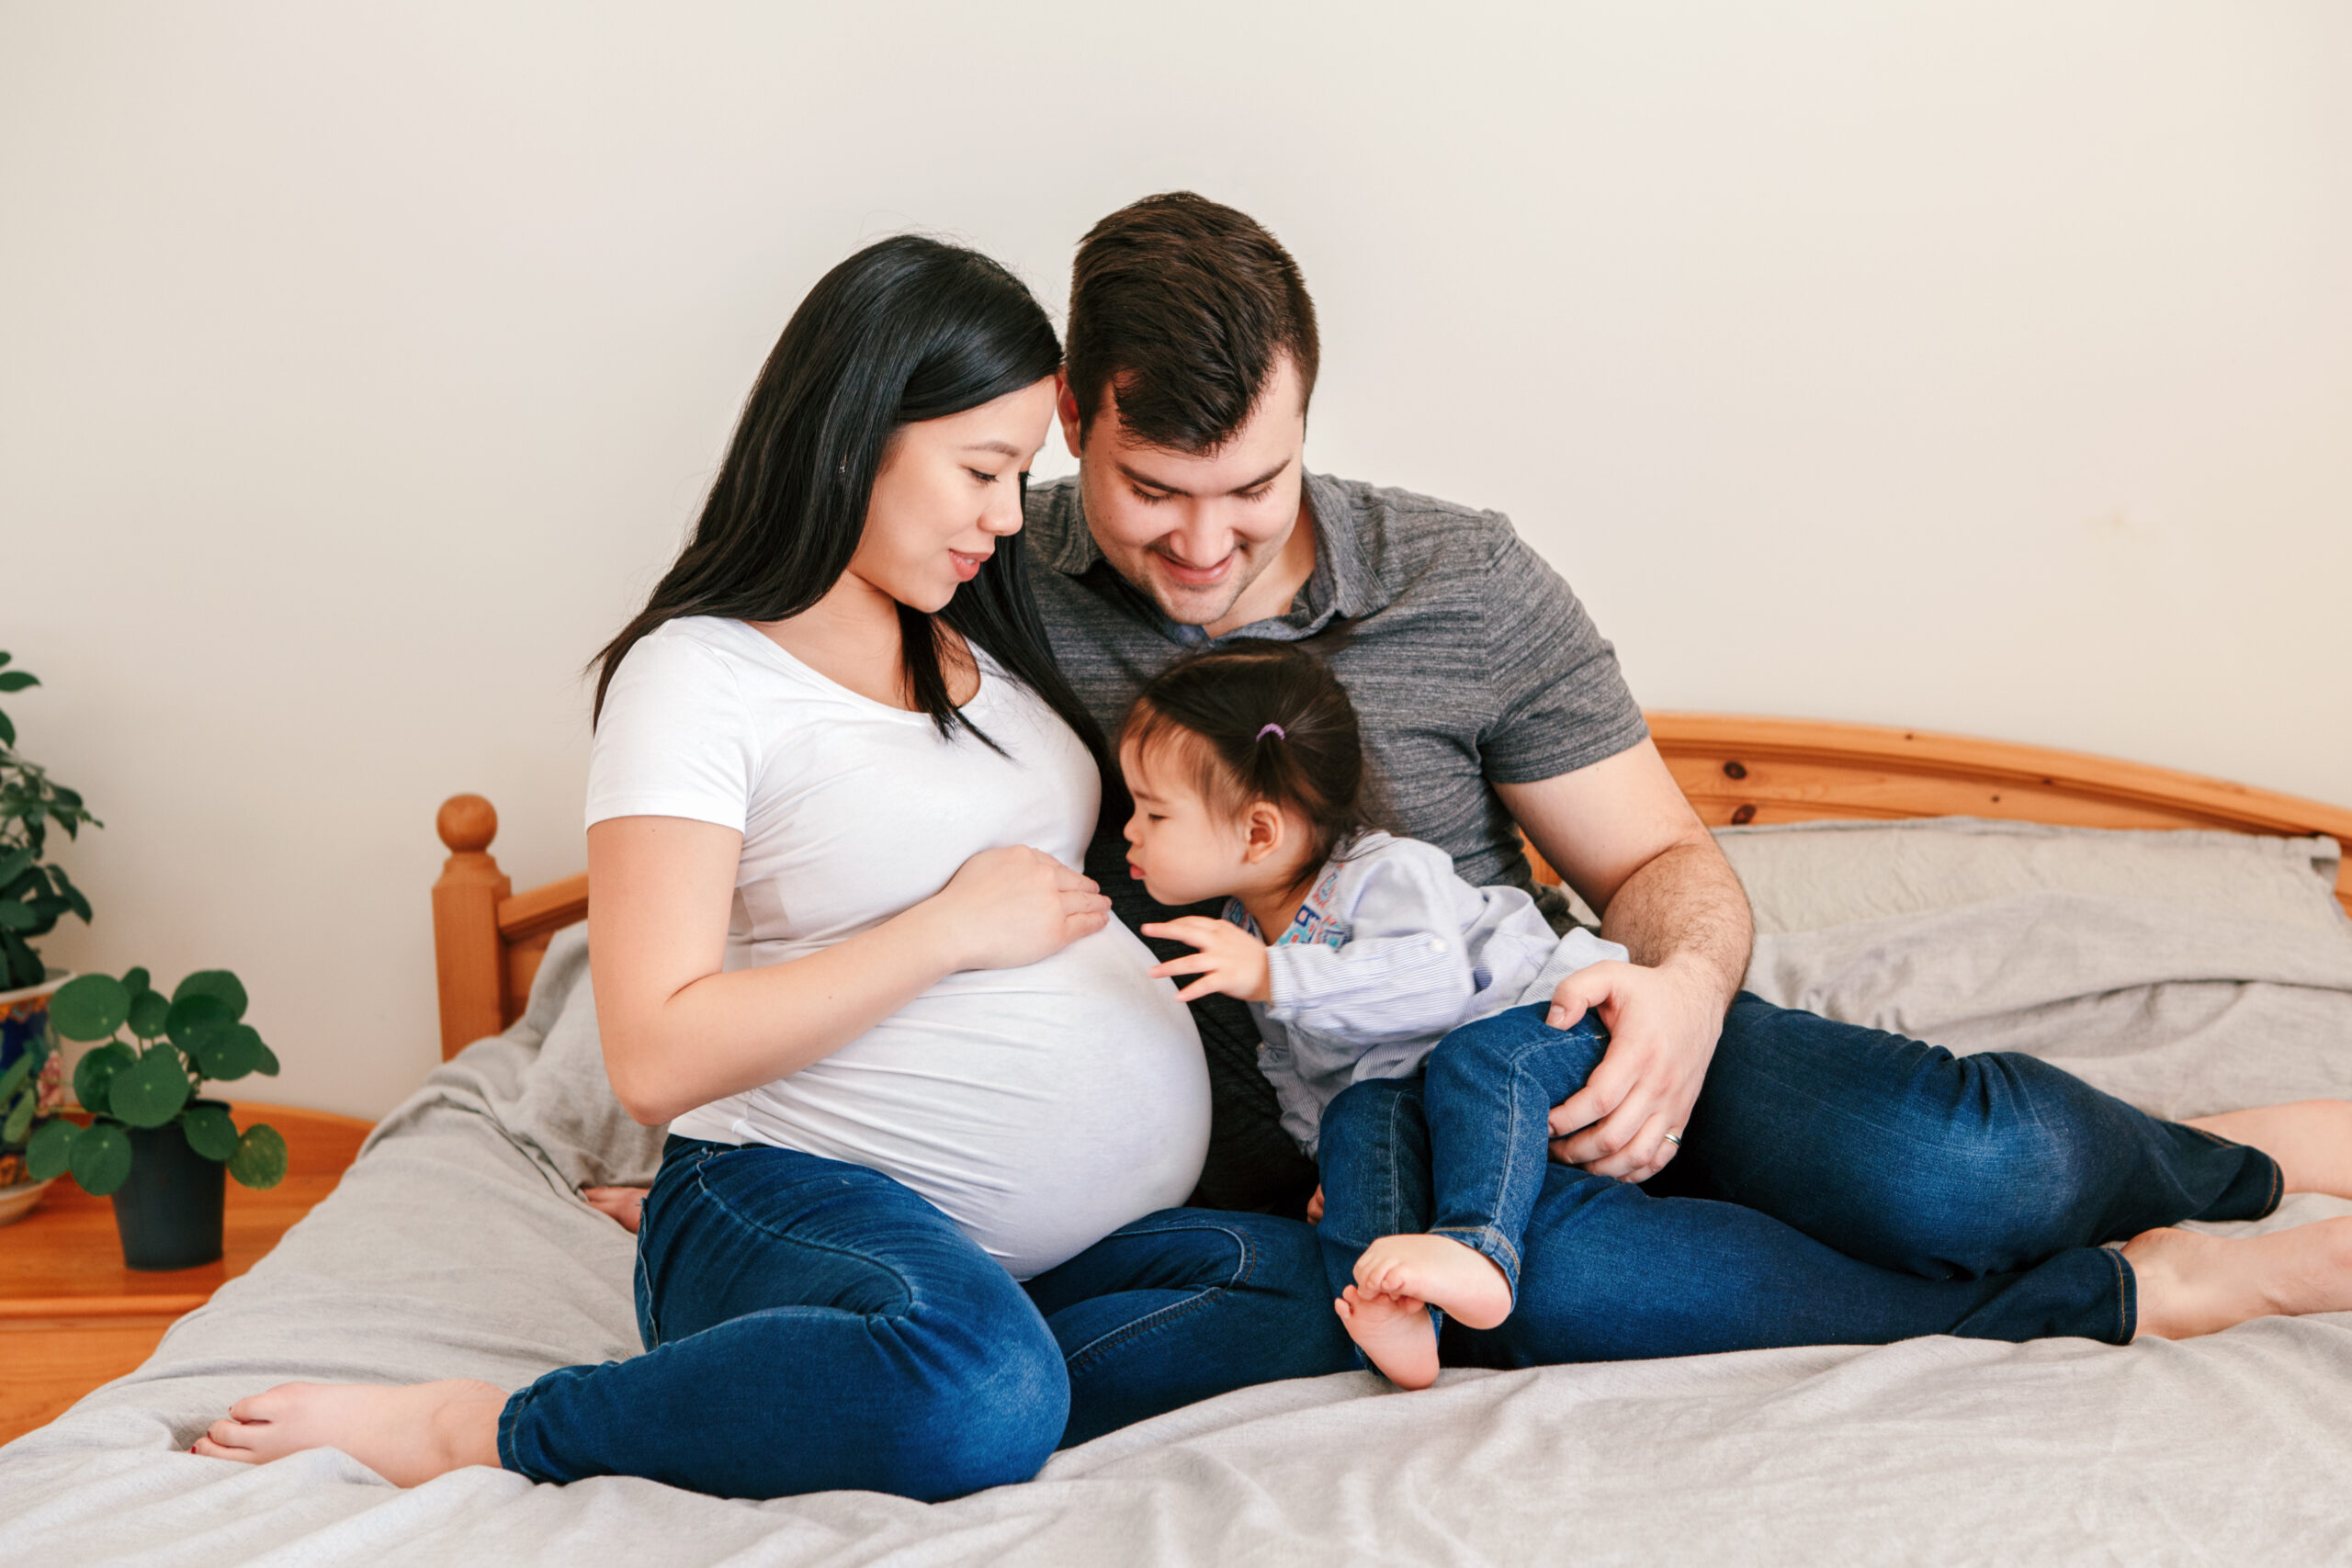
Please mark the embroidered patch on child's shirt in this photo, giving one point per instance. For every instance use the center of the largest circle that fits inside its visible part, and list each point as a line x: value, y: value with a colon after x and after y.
x: 1314, y: 922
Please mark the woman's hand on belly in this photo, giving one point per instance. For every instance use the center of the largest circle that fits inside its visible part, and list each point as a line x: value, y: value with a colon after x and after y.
x: 680, y: 1031
x: 1015, y: 906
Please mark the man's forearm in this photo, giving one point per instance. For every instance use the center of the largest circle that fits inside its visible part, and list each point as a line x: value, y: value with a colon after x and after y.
x: 1684, y: 909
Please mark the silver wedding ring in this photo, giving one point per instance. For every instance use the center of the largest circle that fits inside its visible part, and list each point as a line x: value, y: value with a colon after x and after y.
x: 1675, y: 1141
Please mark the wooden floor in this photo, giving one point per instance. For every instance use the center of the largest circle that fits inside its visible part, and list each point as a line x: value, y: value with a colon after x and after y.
x: 72, y: 1318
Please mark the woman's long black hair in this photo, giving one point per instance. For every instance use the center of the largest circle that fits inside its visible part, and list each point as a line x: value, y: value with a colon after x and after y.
x: 907, y: 328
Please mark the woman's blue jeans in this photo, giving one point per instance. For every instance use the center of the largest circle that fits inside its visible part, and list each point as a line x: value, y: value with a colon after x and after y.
x: 811, y: 1324
x: 1837, y: 1184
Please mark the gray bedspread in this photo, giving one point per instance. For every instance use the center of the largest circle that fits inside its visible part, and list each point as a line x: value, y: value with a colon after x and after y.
x: 457, y: 1248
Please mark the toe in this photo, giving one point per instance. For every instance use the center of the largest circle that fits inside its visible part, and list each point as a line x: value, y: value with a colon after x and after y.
x: 256, y: 1407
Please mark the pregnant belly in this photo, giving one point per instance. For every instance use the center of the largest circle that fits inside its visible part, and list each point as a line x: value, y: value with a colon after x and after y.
x: 1040, y: 1108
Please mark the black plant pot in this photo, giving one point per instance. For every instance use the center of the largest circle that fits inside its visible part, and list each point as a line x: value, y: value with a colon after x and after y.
x: 169, y: 1210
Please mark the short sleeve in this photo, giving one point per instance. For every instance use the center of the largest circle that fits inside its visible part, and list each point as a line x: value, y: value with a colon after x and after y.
x: 675, y: 738
x: 1562, y: 702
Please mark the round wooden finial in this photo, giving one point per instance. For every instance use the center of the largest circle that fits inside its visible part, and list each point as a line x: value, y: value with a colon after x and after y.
x: 467, y: 824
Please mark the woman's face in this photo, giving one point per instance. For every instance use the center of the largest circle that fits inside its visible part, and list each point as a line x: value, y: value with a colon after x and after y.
x: 949, y: 489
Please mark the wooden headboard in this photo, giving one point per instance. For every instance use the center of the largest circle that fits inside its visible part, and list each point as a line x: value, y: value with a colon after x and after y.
x: 487, y: 939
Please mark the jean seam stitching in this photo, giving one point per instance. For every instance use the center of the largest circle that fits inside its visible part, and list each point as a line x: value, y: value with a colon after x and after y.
x: 1094, y: 1349
x: 737, y: 1217
x: 1487, y: 1234
x: 508, y: 1415
x: 1517, y: 1056
x: 2126, y: 1304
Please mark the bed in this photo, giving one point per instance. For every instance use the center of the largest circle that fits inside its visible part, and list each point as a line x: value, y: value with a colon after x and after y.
x: 2181, y: 941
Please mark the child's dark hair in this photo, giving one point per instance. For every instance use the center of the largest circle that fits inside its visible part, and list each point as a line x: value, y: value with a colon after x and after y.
x: 1260, y: 720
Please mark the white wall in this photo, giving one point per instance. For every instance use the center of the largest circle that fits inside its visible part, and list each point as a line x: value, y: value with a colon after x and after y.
x: 1986, y: 367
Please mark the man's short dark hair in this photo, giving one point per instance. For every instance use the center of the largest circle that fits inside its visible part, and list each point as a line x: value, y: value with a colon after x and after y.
x: 1184, y: 306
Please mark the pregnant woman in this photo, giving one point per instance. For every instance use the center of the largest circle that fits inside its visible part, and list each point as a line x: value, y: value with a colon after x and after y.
x: 929, y: 1113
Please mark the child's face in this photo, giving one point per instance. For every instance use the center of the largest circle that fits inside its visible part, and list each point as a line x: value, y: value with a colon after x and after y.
x: 1177, y: 847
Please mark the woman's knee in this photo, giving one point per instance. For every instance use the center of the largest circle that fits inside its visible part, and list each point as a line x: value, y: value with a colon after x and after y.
x: 995, y: 1424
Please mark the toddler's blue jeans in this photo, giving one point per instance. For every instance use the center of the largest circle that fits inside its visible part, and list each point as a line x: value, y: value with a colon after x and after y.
x: 1836, y: 1185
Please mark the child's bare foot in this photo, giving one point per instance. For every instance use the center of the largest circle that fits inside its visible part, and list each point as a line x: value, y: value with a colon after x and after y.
x: 408, y: 1436
x: 1459, y: 1280
x: 1395, y: 1333
x: 2190, y: 1284
x: 2311, y: 1139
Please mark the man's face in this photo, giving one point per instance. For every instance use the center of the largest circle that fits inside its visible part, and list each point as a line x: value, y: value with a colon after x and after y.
x: 1196, y: 530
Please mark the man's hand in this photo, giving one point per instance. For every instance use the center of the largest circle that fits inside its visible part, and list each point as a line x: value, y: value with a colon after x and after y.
x: 1230, y: 960
x: 1663, y: 1024
x: 1622, y: 835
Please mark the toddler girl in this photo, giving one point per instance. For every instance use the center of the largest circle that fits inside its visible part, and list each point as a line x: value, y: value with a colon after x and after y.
x: 1248, y: 779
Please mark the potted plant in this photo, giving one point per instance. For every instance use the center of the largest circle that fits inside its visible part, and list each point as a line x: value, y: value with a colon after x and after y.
x: 30, y: 1085
x: 33, y: 898
x: 153, y: 1143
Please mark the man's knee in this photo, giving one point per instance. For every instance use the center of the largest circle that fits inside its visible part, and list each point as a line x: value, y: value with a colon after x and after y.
x: 1978, y: 1195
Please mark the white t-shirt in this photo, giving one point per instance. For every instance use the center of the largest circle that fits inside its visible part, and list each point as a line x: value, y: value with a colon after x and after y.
x: 1040, y: 1107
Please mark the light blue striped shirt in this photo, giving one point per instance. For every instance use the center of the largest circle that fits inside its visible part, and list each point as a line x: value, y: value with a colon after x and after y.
x: 1389, y: 953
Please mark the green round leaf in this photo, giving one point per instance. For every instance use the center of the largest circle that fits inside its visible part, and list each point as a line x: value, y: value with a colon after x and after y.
x: 192, y: 1014
x: 148, y: 1014
x: 46, y: 1156
x: 90, y: 1008
x: 150, y: 1093
x: 209, y: 1131
x: 95, y: 1069
x: 217, y: 983
x: 228, y: 1053
x: 267, y: 1067
x: 260, y: 1159
x: 136, y: 979
x: 100, y: 1158
x: 19, y: 1121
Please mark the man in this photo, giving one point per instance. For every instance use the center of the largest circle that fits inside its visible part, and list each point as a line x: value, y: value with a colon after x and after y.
x: 1732, y: 1175
x: 1489, y: 702
x: 1866, y: 1187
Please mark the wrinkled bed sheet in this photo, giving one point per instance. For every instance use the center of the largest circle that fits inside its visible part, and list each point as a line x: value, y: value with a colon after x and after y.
x: 456, y: 1248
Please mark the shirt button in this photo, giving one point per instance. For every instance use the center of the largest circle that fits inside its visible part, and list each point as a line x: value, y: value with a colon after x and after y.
x: 1437, y: 944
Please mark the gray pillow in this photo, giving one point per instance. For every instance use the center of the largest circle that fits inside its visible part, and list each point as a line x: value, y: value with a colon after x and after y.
x: 1813, y: 876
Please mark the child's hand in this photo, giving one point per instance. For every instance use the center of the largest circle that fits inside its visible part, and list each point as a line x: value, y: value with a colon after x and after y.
x: 1230, y: 960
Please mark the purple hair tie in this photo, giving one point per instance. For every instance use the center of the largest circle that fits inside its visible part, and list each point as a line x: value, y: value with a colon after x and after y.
x: 1273, y: 729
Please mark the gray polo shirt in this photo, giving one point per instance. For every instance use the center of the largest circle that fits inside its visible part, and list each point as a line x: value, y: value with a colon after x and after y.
x: 1470, y: 664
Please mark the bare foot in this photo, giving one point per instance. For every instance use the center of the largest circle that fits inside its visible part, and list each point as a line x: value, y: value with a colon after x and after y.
x: 408, y: 1435
x: 1395, y: 1333
x: 2311, y: 1139
x: 2190, y: 1284
x: 1459, y: 1280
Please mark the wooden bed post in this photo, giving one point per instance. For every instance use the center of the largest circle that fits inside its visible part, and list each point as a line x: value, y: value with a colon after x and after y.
x: 466, y: 950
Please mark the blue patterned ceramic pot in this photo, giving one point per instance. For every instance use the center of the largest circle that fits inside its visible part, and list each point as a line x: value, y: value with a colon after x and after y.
x: 24, y: 1019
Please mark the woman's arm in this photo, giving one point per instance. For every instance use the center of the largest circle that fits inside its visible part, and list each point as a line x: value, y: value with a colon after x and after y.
x: 678, y: 1032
